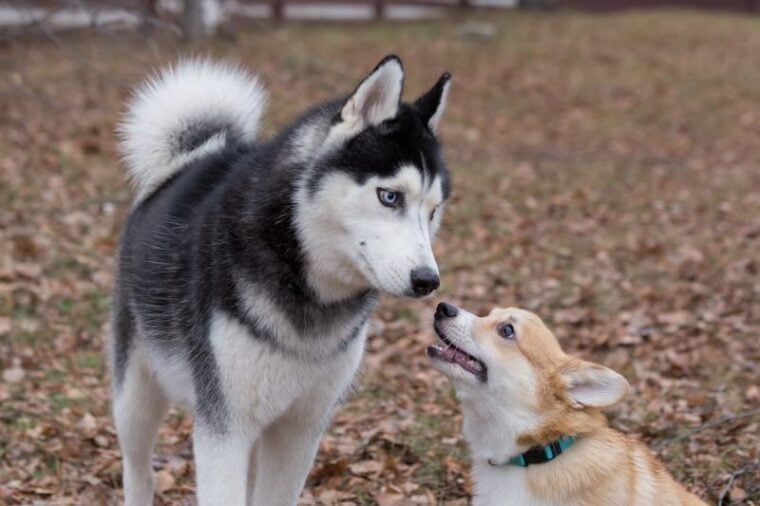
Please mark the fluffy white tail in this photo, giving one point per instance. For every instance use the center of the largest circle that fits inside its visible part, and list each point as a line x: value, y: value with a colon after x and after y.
x: 185, y: 111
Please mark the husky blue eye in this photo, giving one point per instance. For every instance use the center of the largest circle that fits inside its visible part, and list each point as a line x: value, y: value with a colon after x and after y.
x: 389, y: 198
x: 507, y: 331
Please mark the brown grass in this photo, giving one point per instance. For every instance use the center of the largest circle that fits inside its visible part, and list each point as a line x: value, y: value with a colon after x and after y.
x: 605, y: 176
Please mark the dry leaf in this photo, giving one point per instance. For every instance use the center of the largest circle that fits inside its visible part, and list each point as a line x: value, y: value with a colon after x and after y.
x: 164, y: 481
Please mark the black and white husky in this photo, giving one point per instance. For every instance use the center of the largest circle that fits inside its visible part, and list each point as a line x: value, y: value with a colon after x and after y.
x: 247, y: 270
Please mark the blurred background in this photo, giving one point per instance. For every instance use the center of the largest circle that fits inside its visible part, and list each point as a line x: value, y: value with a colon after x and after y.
x: 606, y: 166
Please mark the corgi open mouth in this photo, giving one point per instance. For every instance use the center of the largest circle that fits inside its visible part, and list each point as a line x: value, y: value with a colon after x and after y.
x: 447, y: 352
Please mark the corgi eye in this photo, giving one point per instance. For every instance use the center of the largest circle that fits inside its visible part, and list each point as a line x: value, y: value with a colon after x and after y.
x: 389, y: 198
x: 507, y: 331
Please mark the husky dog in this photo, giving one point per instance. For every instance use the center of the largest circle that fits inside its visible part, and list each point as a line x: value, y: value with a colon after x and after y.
x: 247, y: 271
x: 532, y: 417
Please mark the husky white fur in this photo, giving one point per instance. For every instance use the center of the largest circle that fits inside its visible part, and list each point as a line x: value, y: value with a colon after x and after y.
x: 247, y: 270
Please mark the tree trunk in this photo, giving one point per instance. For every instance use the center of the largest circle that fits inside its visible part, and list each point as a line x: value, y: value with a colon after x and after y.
x: 201, y: 18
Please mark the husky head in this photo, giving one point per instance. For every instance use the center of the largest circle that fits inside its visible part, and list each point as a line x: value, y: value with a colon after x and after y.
x: 373, y: 198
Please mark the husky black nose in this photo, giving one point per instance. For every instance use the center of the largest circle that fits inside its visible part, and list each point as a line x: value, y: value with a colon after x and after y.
x: 424, y: 281
x: 445, y: 310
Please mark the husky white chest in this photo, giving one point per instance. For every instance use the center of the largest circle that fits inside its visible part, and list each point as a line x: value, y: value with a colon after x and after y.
x: 260, y: 383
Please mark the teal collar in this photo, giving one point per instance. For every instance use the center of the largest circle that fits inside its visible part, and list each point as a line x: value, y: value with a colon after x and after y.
x: 538, y: 454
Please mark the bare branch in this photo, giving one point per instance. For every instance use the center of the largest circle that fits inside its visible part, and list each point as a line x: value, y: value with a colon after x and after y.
x: 709, y: 425
x: 724, y: 492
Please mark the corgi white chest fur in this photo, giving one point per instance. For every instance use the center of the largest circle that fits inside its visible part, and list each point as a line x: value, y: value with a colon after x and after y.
x: 502, y: 486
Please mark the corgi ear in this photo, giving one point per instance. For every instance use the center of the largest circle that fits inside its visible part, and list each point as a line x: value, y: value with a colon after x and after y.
x: 431, y: 105
x: 592, y: 385
x: 377, y: 98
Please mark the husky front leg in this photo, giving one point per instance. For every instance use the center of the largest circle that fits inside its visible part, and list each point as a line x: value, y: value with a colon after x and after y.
x: 283, y: 458
x: 287, y: 448
x: 221, y: 463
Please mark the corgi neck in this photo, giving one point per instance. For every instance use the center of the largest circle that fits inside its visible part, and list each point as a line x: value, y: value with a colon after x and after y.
x: 538, y: 454
x: 593, y: 460
x: 497, y: 433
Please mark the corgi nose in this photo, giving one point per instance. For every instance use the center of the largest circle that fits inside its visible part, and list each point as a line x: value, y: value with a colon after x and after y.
x: 424, y: 281
x: 445, y: 310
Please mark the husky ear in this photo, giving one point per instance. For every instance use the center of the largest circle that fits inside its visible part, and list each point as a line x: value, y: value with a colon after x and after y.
x: 592, y: 385
x: 431, y: 105
x: 377, y: 98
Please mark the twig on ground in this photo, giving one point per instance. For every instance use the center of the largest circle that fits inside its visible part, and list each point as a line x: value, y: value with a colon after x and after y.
x: 732, y: 479
x: 703, y: 427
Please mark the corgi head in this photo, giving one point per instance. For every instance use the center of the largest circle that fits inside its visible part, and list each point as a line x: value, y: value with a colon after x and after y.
x: 518, y: 388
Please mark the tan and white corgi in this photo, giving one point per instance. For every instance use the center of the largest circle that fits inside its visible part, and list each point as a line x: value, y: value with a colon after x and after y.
x: 533, y: 420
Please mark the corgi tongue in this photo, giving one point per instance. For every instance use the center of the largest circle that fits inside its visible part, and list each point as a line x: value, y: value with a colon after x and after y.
x: 450, y: 354
x: 462, y: 359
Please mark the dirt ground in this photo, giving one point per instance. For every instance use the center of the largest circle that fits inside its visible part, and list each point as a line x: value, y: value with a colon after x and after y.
x: 606, y: 175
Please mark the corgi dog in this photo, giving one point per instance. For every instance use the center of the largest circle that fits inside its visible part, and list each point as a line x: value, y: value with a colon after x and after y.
x: 533, y: 420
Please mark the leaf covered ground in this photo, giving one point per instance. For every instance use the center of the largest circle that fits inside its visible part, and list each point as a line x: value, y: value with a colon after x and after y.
x: 606, y: 175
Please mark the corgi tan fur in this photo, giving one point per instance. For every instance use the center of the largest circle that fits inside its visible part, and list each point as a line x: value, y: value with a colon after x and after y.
x: 518, y: 391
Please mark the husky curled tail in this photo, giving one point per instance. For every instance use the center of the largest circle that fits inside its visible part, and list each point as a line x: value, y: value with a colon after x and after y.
x: 184, y: 112
x: 247, y: 270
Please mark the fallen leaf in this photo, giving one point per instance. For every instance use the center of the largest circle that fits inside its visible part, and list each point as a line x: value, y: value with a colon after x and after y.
x: 164, y: 481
